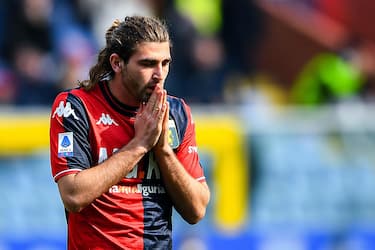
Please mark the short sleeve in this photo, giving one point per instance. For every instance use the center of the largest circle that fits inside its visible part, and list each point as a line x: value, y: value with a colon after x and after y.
x: 69, y: 136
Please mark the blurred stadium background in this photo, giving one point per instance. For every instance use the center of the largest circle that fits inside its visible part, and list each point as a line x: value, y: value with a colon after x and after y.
x: 282, y: 92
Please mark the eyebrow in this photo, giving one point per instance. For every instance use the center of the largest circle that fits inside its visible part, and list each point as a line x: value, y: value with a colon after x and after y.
x: 153, y: 61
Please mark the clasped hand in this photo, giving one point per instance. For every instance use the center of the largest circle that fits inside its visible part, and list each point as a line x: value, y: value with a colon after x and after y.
x: 151, y: 122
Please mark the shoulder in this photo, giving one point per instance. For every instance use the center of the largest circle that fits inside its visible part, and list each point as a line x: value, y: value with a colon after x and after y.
x: 176, y: 103
x: 180, y: 113
x: 178, y: 107
x: 76, y: 96
x: 69, y: 105
x: 70, y: 97
x: 68, y: 93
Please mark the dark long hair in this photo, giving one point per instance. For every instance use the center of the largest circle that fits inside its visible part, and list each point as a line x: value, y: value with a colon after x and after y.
x: 122, y: 38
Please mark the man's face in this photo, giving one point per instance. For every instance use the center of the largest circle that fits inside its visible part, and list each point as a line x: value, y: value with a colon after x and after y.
x: 146, y: 68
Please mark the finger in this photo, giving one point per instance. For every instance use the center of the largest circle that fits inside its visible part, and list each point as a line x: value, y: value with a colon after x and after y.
x: 140, y: 111
x: 141, y: 108
x: 160, y: 97
x: 151, y: 104
x: 164, y: 96
x: 166, y: 116
x: 159, y: 105
x: 164, y: 103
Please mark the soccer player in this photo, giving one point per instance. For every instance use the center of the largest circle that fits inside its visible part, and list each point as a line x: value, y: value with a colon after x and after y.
x: 123, y: 152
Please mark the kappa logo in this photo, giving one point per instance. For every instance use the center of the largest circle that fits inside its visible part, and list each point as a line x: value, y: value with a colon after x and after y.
x: 105, y: 119
x: 64, y: 111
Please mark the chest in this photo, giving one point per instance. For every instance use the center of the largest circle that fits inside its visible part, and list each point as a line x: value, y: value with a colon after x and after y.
x: 110, y: 130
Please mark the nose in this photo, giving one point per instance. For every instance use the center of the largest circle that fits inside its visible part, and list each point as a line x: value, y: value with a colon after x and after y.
x: 158, y: 73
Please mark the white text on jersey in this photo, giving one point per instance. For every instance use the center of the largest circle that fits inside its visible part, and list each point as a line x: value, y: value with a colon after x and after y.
x: 152, y: 172
x: 192, y: 149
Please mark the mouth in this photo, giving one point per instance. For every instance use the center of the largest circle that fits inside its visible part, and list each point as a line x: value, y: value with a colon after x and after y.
x: 148, y: 92
x: 151, y: 87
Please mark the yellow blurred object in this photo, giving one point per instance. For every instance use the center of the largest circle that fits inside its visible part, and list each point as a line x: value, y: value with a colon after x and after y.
x: 205, y: 15
x: 23, y: 132
x: 223, y: 137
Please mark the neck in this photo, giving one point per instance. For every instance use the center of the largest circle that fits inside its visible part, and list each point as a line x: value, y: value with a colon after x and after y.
x: 122, y: 94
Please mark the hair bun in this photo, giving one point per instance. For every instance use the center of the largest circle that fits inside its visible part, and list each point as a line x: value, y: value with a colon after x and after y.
x: 116, y: 23
x: 108, y: 35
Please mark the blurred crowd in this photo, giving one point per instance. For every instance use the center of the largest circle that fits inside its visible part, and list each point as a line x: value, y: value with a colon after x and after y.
x: 49, y: 45
x: 223, y: 51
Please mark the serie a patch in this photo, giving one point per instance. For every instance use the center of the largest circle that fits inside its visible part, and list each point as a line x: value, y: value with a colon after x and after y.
x: 65, y: 144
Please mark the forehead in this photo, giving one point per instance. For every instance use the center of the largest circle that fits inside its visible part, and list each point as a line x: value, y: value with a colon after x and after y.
x: 152, y: 50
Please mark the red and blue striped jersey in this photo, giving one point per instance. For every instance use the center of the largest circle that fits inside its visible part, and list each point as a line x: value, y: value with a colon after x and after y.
x: 87, y: 127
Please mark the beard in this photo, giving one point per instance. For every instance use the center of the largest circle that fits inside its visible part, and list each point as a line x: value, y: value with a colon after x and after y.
x: 132, y: 84
x: 146, y: 96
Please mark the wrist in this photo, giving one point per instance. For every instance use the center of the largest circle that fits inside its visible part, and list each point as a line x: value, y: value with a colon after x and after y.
x: 137, y: 147
x: 163, y: 151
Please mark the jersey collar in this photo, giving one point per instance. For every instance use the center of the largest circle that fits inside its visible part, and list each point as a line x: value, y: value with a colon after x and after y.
x: 115, y: 103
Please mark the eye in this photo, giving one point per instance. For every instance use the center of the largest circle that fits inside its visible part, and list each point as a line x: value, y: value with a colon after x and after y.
x: 147, y: 63
x: 166, y: 62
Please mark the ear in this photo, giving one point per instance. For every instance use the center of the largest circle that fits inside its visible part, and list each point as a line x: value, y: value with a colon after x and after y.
x: 116, y: 62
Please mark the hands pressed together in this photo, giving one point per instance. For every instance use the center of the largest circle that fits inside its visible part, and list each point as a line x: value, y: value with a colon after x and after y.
x: 151, y: 122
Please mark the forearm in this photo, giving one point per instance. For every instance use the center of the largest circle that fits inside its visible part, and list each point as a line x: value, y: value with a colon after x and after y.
x: 190, y: 197
x: 79, y: 190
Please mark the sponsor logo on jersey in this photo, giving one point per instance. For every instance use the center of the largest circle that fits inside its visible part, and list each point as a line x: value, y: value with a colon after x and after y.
x: 65, y: 147
x: 145, y: 190
x: 64, y: 111
x: 192, y: 149
x: 173, y: 139
x: 105, y: 119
